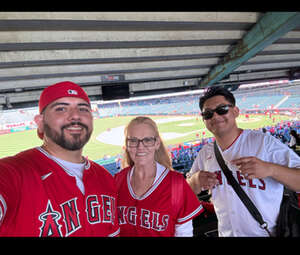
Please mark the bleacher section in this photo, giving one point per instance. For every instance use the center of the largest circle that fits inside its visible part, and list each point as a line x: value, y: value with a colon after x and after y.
x: 263, y: 99
x: 177, y: 103
x: 292, y: 102
x: 110, y: 164
x: 262, y: 102
x: 17, y: 120
x: 166, y: 106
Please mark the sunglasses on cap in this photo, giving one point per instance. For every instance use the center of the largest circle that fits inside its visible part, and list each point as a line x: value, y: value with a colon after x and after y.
x: 220, y: 110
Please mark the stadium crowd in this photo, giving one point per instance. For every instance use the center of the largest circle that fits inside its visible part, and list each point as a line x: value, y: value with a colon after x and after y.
x: 183, y: 155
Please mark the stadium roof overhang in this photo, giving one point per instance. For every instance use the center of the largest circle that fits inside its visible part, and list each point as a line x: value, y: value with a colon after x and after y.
x: 267, y: 30
x: 150, y: 51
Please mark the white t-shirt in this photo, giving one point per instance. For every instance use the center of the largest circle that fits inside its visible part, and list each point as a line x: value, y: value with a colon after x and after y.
x: 233, y: 217
x: 73, y: 169
x: 292, y: 141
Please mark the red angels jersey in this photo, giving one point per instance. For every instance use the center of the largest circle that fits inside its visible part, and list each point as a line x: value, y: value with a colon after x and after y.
x: 152, y: 214
x: 38, y: 198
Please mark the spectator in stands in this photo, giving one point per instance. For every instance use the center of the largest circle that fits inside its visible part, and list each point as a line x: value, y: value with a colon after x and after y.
x: 118, y: 162
x: 295, y: 139
x: 264, y: 130
x: 153, y: 200
x: 259, y: 162
x: 52, y: 190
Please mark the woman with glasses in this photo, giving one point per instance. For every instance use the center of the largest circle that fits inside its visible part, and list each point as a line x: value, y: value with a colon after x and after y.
x: 260, y: 163
x: 153, y: 200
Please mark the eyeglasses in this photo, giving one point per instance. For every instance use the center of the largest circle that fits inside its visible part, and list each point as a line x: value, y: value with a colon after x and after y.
x: 221, y: 110
x: 147, y: 141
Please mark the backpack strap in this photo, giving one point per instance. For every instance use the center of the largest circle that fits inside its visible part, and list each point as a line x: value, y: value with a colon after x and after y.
x: 239, y: 191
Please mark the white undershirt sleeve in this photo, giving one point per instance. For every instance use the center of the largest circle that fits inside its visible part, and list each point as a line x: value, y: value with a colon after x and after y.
x: 184, y: 230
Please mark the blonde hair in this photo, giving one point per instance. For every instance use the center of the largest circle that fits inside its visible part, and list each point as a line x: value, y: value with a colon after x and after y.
x: 161, y: 155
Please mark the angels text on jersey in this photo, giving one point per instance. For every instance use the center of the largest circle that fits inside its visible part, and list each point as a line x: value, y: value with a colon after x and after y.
x: 142, y: 217
x: 251, y: 183
x: 69, y: 214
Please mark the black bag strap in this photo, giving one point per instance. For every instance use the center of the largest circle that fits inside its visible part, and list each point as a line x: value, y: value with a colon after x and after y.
x: 239, y: 191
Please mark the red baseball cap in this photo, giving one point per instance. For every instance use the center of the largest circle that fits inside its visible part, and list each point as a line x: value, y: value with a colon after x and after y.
x: 59, y: 90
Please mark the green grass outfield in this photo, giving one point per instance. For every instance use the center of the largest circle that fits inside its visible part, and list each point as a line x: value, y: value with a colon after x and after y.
x: 12, y: 143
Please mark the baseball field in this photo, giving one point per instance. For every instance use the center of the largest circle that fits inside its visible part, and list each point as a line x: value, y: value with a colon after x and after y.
x: 107, y: 138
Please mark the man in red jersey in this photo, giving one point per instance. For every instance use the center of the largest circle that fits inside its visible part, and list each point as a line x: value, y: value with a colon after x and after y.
x: 52, y: 190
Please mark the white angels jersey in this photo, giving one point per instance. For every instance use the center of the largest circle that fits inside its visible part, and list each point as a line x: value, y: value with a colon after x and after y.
x: 233, y: 217
x: 152, y: 214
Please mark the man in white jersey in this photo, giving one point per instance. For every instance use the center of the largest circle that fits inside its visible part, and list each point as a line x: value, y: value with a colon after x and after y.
x: 261, y: 164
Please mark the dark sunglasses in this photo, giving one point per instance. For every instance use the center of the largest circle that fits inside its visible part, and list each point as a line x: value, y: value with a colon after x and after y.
x: 221, y: 110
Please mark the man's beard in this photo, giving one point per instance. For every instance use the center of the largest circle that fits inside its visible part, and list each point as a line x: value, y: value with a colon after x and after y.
x: 73, y: 144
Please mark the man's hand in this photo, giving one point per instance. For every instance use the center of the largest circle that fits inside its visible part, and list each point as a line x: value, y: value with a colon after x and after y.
x: 202, y: 180
x: 252, y: 167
